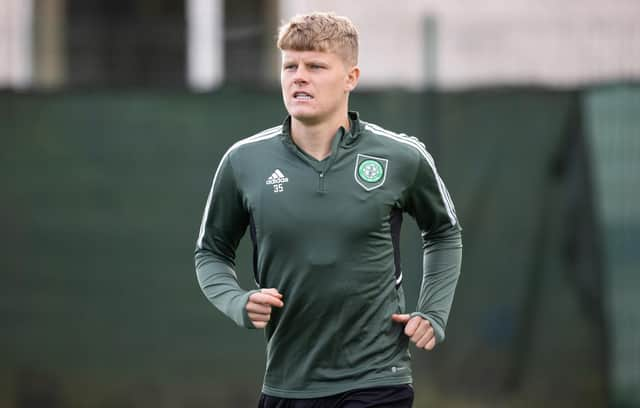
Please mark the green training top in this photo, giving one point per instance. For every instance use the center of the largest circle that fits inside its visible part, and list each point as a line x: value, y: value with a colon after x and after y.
x: 326, y: 235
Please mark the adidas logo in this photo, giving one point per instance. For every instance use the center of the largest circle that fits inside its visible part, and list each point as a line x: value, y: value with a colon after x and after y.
x: 277, y: 178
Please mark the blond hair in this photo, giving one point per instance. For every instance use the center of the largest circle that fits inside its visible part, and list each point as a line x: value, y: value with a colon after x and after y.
x: 319, y: 31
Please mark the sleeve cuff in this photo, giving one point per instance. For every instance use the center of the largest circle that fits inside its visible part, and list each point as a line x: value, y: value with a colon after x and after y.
x: 437, y: 329
x: 246, y: 322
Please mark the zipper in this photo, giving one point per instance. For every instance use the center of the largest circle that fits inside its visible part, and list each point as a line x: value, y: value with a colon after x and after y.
x: 321, y: 167
x: 321, y: 182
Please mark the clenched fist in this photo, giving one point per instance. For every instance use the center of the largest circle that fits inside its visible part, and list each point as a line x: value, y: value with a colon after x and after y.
x: 259, y: 306
x: 418, y: 329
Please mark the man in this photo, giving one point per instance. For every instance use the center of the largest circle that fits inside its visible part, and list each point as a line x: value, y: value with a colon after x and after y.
x: 323, y: 196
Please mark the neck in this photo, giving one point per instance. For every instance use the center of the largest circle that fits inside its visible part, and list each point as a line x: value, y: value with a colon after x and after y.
x: 315, y: 138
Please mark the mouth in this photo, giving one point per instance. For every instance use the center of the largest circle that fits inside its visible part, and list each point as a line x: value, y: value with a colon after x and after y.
x: 302, y: 96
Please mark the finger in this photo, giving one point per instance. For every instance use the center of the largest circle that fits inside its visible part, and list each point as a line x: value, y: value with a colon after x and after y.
x: 272, y: 291
x: 259, y: 325
x: 424, y: 340
x: 431, y: 344
x: 258, y: 308
x: 400, y: 318
x: 258, y: 317
x: 420, y: 332
x: 265, y: 299
x: 411, y: 327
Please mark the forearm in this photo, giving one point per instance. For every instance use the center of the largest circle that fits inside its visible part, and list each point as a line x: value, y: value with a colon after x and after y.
x: 441, y: 268
x: 219, y: 284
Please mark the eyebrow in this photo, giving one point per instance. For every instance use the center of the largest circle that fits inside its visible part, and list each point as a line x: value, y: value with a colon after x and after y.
x: 310, y: 62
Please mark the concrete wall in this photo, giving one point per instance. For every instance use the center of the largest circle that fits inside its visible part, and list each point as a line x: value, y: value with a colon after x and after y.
x: 566, y: 43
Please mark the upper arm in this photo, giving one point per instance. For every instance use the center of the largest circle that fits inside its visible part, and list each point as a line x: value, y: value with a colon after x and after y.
x: 225, y: 217
x: 428, y: 200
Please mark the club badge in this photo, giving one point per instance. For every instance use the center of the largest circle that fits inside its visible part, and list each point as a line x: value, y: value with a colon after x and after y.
x: 370, y: 172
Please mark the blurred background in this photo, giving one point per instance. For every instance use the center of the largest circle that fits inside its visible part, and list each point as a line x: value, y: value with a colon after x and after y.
x: 114, y: 115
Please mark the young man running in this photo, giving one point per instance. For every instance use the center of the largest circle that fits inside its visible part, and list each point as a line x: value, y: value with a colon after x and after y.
x: 323, y: 196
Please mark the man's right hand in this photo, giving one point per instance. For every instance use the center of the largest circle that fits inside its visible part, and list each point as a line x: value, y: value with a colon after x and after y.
x: 259, y: 306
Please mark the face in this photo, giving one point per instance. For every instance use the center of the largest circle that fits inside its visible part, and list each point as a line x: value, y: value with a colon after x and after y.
x: 316, y: 84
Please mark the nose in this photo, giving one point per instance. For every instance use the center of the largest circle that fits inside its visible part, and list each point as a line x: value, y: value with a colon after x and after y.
x: 300, y: 76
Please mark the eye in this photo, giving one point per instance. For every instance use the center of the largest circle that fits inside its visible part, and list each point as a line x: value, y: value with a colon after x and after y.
x: 289, y: 67
x: 316, y: 66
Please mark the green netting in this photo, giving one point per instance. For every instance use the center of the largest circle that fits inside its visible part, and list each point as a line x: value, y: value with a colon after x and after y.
x: 518, y: 327
x: 101, y: 203
x: 613, y: 120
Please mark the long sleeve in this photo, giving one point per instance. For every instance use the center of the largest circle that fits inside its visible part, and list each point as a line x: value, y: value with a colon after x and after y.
x: 429, y: 203
x: 224, y: 222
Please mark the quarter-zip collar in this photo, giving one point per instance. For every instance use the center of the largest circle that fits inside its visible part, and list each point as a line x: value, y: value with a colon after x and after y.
x: 353, y: 134
x: 343, y: 137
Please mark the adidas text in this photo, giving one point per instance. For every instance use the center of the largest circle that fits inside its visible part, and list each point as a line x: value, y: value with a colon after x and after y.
x: 276, y: 180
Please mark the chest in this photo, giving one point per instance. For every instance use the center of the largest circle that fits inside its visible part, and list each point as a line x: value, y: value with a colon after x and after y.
x: 352, y: 195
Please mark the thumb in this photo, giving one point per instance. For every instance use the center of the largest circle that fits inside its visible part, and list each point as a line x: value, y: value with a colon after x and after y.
x: 272, y: 291
x: 400, y: 318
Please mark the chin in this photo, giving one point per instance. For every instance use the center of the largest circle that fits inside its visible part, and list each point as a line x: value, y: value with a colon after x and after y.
x: 304, y: 115
x: 308, y: 119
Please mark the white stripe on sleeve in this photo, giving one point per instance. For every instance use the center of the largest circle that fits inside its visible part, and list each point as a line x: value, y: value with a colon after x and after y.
x: 266, y: 134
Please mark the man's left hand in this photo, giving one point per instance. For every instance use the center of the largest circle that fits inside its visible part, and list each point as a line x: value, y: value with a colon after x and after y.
x: 418, y: 329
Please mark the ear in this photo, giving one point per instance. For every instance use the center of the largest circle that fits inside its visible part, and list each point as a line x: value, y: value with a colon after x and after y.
x: 353, y: 75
